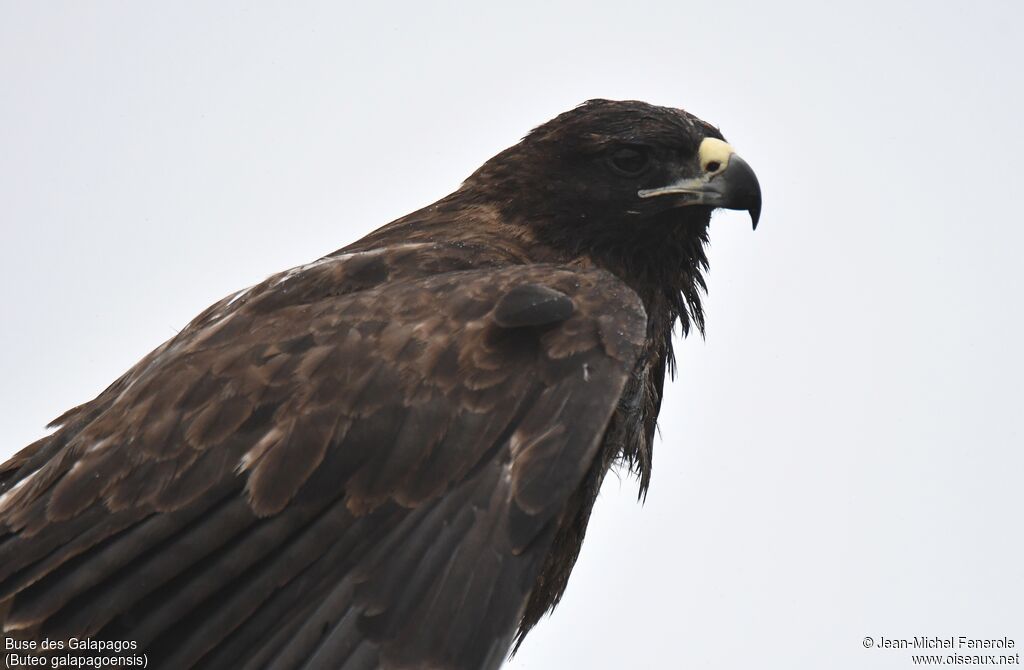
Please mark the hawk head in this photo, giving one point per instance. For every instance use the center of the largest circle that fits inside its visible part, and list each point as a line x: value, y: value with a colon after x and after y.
x: 610, y: 162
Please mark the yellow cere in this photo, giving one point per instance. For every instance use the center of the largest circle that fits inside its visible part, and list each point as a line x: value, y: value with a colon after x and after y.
x: 714, y: 151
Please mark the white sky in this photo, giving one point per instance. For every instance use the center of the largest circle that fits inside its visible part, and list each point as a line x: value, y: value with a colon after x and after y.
x: 840, y: 458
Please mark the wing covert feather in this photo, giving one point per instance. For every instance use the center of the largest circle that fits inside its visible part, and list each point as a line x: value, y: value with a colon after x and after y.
x: 403, y: 442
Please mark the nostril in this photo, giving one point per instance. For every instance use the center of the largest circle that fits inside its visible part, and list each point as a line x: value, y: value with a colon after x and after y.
x: 713, y: 166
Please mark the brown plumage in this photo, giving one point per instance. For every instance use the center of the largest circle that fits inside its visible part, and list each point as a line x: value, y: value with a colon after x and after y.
x: 387, y: 457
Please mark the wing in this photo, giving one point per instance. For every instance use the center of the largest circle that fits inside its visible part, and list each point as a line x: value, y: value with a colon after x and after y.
x: 360, y: 463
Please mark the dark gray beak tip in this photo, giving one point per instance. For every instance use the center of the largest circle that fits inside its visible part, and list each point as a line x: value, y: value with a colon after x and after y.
x: 755, y: 209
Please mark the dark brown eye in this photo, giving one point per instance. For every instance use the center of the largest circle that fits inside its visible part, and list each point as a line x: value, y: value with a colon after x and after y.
x: 630, y: 161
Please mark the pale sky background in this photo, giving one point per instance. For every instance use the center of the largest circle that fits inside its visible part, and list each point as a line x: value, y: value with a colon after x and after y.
x: 840, y: 458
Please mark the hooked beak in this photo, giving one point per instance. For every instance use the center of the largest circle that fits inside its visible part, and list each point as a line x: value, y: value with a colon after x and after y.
x: 725, y: 181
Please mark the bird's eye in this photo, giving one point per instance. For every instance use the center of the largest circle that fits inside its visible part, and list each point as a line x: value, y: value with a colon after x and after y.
x: 630, y: 161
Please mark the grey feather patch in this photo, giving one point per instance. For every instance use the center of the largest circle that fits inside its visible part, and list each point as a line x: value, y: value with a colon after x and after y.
x: 532, y: 305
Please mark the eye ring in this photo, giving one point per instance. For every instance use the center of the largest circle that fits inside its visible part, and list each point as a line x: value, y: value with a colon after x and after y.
x: 630, y: 161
